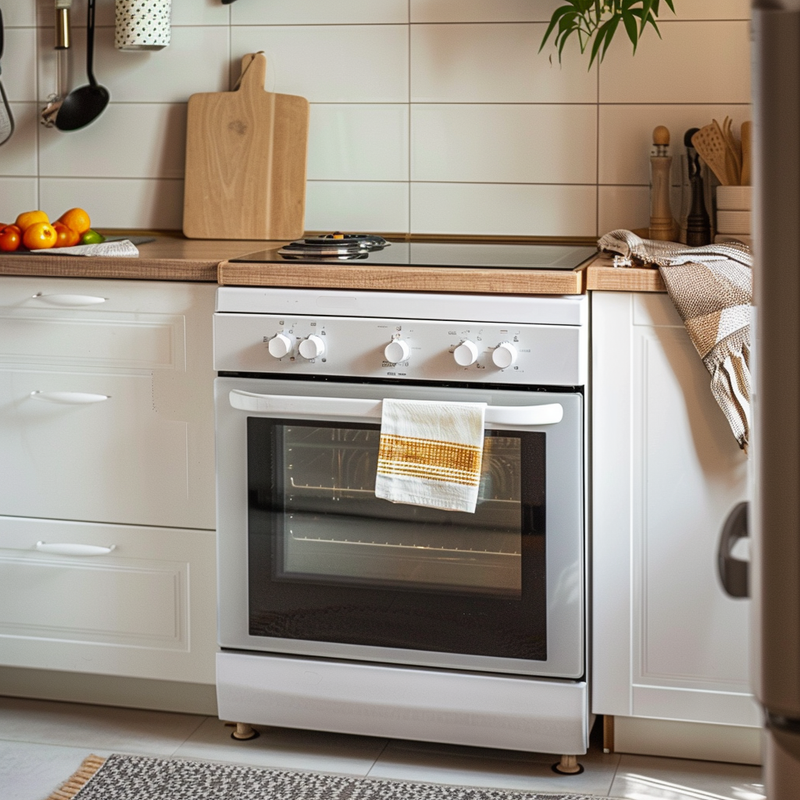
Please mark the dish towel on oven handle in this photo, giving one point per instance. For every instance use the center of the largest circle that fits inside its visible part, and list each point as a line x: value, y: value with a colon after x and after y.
x: 430, y: 453
x: 711, y: 288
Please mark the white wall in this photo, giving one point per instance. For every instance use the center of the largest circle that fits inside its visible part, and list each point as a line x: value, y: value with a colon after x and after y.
x: 427, y: 116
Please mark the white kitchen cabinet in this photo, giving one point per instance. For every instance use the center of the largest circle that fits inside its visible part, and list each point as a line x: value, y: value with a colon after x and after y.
x: 106, y: 398
x: 107, y: 435
x: 668, y: 643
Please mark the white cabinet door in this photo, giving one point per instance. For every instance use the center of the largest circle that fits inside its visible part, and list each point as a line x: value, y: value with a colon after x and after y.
x: 108, y: 599
x: 106, y: 401
x: 668, y: 642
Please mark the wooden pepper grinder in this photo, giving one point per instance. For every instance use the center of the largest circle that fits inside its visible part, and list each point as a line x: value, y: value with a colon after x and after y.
x: 698, y: 223
x: 662, y: 223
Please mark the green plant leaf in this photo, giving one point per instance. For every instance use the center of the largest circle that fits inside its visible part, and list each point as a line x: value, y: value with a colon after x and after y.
x: 632, y: 27
x: 647, y: 10
x: 558, y: 14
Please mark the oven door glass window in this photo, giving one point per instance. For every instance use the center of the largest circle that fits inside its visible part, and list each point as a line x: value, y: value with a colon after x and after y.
x: 330, y: 562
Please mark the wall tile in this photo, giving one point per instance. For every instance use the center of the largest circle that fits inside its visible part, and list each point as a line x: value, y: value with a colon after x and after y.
x: 710, y: 9
x: 357, y: 207
x: 21, y: 13
x: 695, y: 62
x: 18, y: 154
x: 117, y: 203
x: 624, y: 207
x: 319, y: 12
x: 153, y: 137
x: 19, y: 64
x: 504, y: 143
x: 17, y: 195
x: 195, y: 61
x: 331, y: 64
x: 493, y: 64
x: 358, y: 142
x: 626, y: 136
x: 481, y: 11
x: 503, y: 210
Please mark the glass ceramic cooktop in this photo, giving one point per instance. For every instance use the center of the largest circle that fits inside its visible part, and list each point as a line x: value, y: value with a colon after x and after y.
x: 430, y: 254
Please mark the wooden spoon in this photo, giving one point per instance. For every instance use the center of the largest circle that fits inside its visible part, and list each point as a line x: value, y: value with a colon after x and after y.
x: 733, y: 155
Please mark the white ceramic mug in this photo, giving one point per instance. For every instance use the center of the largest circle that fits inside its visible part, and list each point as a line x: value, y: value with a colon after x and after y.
x: 142, y: 24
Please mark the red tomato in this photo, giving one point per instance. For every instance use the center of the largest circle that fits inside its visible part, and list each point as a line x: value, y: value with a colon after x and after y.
x: 9, y: 238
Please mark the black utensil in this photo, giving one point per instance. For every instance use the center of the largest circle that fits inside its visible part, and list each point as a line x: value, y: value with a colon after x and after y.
x: 6, y: 117
x: 698, y: 223
x: 82, y: 106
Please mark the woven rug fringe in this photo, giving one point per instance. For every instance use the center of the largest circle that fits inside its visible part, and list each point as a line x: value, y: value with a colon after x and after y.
x: 82, y: 776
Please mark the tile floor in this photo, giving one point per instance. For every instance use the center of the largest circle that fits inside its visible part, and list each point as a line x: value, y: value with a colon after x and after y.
x: 42, y: 743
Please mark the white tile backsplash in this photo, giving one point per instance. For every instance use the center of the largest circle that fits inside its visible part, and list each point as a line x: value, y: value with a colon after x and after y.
x: 427, y: 116
x: 364, y: 142
x: 497, y: 63
x: 504, y: 143
x: 504, y: 209
x: 157, y: 151
x: 331, y: 63
x: 117, y: 203
x: 19, y: 64
x: 319, y: 12
x: 354, y: 206
x: 481, y: 11
x: 18, y: 154
x: 694, y: 62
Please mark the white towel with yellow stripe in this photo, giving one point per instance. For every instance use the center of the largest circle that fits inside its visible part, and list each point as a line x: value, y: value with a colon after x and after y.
x: 430, y: 453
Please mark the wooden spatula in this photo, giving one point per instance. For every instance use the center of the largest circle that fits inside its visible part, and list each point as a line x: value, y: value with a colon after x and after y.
x: 710, y: 144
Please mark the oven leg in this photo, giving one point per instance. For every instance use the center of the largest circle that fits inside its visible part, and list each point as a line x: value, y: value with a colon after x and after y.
x: 568, y: 765
x: 243, y: 731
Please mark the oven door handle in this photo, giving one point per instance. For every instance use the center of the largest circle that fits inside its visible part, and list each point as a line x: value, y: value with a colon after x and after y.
x: 302, y: 406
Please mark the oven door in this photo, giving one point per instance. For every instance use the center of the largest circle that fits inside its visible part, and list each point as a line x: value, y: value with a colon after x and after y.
x: 312, y: 563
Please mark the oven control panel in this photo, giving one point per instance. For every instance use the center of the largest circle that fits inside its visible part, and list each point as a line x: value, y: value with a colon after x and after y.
x: 372, y: 348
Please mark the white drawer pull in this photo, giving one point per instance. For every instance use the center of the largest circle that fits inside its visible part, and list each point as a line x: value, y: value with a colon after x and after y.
x: 69, y: 300
x: 70, y: 398
x: 69, y: 549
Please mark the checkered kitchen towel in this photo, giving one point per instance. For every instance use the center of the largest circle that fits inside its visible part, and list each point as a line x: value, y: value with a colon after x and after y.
x: 711, y: 287
x: 430, y: 453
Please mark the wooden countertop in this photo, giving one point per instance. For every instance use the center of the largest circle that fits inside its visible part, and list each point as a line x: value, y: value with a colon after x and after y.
x: 171, y: 257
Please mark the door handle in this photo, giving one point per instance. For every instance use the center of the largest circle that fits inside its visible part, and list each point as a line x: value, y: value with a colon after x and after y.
x: 72, y: 549
x: 734, y: 573
x: 69, y: 300
x: 294, y: 406
x: 70, y: 398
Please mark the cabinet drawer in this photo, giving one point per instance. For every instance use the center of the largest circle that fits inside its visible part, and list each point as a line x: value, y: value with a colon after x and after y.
x: 95, y: 447
x: 145, y: 608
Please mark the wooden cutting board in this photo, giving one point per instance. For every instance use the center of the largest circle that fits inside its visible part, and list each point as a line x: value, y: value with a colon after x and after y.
x: 246, y: 161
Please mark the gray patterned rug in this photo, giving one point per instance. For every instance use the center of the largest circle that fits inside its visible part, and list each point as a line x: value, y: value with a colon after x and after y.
x: 141, y: 778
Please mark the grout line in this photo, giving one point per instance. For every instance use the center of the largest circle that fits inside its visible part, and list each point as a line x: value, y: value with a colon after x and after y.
x: 377, y: 758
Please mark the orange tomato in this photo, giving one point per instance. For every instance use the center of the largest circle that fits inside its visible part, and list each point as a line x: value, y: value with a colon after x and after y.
x: 39, y: 236
x: 9, y: 238
x: 77, y: 219
x: 66, y: 236
x: 28, y: 218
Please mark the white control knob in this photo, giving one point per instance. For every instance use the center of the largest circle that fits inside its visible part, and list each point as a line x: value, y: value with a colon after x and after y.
x: 504, y: 355
x: 281, y: 345
x: 313, y: 347
x: 466, y: 353
x: 396, y: 351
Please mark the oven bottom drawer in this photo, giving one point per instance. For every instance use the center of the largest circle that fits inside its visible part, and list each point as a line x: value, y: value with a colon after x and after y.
x: 512, y: 713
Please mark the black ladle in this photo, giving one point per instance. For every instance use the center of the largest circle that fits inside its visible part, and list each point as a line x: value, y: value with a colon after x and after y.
x: 82, y: 106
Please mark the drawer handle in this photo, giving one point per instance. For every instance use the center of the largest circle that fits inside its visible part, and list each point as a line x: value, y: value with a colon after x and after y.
x: 70, y: 398
x: 69, y: 549
x: 69, y: 300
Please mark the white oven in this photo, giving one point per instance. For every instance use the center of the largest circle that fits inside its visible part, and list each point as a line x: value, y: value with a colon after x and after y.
x: 342, y: 611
